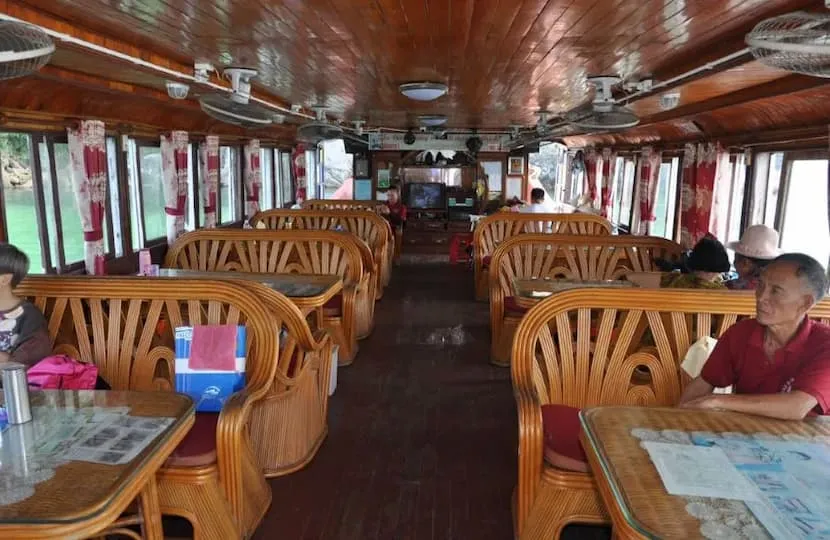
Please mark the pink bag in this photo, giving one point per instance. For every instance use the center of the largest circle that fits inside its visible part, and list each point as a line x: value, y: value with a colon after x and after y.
x: 60, y: 372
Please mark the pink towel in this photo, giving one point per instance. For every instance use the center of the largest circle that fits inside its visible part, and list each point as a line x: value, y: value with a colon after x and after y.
x: 213, y: 347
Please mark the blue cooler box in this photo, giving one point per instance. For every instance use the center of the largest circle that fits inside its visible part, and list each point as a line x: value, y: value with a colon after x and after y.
x: 208, y: 388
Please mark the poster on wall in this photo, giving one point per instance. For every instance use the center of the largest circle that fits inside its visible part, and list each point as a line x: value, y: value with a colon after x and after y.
x: 383, y: 178
x: 513, y: 187
x: 363, y: 189
x: 375, y: 141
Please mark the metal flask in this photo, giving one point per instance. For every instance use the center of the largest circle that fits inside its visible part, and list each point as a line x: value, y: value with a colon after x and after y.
x: 16, y: 393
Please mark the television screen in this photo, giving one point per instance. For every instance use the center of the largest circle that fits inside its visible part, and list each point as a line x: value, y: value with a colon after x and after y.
x: 427, y: 196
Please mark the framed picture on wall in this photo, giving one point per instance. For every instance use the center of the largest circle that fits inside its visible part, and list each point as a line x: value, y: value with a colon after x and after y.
x: 361, y: 167
x: 383, y: 178
x: 516, y: 165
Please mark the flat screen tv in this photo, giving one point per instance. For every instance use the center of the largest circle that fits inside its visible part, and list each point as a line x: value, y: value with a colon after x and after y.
x: 426, y: 196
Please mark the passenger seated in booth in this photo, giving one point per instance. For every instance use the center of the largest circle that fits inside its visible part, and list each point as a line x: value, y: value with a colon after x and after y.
x: 706, y: 264
x: 24, y: 337
x: 757, y: 247
x: 778, y: 363
x: 537, y: 203
x: 394, y: 210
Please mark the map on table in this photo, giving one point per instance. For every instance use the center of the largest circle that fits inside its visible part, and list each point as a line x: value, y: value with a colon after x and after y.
x: 789, y: 477
x: 295, y: 289
x: 793, y: 478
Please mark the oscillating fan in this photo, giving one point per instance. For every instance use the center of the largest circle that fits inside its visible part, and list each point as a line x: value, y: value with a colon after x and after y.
x: 602, y: 113
x: 319, y: 130
x: 797, y: 42
x: 24, y: 49
x: 235, y: 108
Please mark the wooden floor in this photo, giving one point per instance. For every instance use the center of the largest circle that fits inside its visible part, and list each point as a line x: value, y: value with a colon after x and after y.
x: 422, y: 429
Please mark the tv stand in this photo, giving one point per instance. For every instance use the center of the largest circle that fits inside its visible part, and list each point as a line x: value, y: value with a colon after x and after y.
x: 430, y: 231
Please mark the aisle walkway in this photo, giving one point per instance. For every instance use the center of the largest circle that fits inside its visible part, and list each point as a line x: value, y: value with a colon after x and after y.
x: 422, y: 429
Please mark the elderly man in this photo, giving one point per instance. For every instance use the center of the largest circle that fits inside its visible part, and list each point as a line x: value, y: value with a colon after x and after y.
x: 779, y: 362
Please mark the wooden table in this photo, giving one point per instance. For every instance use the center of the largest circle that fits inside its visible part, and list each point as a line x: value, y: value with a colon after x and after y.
x: 527, y: 292
x: 47, y: 494
x: 629, y: 484
x: 308, y: 292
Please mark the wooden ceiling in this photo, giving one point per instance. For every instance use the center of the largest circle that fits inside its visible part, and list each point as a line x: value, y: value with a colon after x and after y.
x: 502, y: 59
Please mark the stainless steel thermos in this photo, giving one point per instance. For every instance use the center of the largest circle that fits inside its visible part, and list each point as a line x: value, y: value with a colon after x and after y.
x: 16, y: 393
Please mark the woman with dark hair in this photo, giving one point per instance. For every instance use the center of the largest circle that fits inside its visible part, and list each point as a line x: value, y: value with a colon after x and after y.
x: 756, y: 249
x: 706, y: 264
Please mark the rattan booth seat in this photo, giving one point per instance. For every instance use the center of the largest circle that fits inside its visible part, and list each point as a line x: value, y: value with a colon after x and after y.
x: 368, y: 226
x: 548, y: 369
x: 125, y: 326
x: 287, y: 252
x: 501, y: 226
x: 540, y: 256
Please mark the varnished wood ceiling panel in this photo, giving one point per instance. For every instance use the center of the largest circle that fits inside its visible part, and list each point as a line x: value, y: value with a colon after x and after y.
x: 503, y: 59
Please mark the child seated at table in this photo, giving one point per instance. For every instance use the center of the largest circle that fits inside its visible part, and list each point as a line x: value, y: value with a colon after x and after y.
x: 706, y: 264
x: 24, y: 337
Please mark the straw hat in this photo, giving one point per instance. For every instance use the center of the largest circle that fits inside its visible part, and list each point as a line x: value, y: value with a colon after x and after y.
x: 757, y: 242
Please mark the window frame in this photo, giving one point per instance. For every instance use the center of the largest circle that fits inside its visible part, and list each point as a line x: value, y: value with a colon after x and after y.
x: 786, y: 181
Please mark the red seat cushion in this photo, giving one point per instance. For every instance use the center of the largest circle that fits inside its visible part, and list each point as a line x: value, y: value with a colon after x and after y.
x: 198, y: 448
x: 512, y: 308
x: 561, y: 427
x: 485, y: 262
x: 335, y: 305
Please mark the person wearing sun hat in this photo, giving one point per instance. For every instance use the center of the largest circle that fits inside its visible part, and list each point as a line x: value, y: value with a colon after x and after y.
x: 706, y: 264
x: 757, y: 247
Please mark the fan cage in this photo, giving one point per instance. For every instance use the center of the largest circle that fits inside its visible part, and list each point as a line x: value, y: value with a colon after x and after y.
x: 318, y: 131
x: 24, y: 49
x: 618, y: 118
x: 225, y: 110
x: 798, y: 42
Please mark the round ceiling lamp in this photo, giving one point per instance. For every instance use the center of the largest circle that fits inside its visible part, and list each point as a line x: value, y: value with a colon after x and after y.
x: 432, y: 120
x: 423, y: 91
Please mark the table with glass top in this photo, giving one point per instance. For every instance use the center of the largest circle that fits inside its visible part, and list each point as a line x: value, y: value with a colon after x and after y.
x: 84, y: 458
x: 527, y: 292
x: 309, y: 292
x: 785, y: 464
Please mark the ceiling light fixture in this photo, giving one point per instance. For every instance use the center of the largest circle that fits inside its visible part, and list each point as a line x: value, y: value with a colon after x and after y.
x: 432, y: 120
x: 423, y: 91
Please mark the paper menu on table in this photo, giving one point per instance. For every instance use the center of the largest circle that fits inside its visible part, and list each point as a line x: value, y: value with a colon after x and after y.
x: 698, y: 471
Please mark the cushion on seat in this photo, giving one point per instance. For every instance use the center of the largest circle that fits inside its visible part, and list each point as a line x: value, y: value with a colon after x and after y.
x: 561, y: 427
x: 512, y: 308
x: 485, y: 262
x: 198, y: 448
x: 334, y: 306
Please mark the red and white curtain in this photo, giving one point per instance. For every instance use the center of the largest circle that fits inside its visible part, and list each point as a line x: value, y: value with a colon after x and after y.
x: 88, y: 159
x: 174, y: 175
x: 647, y: 187
x: 590, y: 179
x: 209, y: 169
x: 609, y: 163
x: 298, y: 162
x: 253, y: 178
x: 697, y: 196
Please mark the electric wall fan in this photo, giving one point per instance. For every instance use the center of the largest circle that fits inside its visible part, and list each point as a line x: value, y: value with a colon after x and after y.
x: 602, y: 113
x: 797, y: 42
x: 24, y: 49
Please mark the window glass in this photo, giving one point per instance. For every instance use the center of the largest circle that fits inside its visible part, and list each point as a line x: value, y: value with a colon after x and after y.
x: 266, y: 164
x: 665, y: 202
x: 19, y: 197
x: 314, y: 189
x: 113, y: 209
x: 190, y: 219
x: 137, y: 227
x: 73, y: 234
x: 49, y: 203
x: 736, y: 200
x: 228, y: 184
x: 627, y: 194
x: 495, y: 172
x: 337, y: 170
x: 287, y: 186
x: 152, y: 193
x: 805, y: 227
x: 546, y: 170
x: 278, y: 174
x: 774, y: 183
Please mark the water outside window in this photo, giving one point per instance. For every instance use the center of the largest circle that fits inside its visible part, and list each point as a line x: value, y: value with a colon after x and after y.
x: 19, y: 197
x: 805, y: 227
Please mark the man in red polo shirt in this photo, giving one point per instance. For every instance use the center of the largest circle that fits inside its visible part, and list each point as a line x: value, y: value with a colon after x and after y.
x: 778, y: 363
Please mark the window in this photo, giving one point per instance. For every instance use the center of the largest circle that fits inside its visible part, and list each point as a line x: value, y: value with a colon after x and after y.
x: 623, y: 191
x: 286, y: 185
x: 546, y: 168
x: 113, y: 204
x: 19, y: 197
x: 312, y: 174
x: 731, y: 232
x: 266, y: 165
x: 229, y: 184
x: 152, y: 193
x: 337, y: 171
x: 805, y: 221
x: 664, y: 205
x: 190, y: 217
x: 495, y: 176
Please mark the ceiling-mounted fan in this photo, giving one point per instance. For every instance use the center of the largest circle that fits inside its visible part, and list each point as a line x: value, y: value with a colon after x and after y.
x: 235, y: 108
x: 24, y: 49
x: 603, y: 113
x: 320, y: 129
